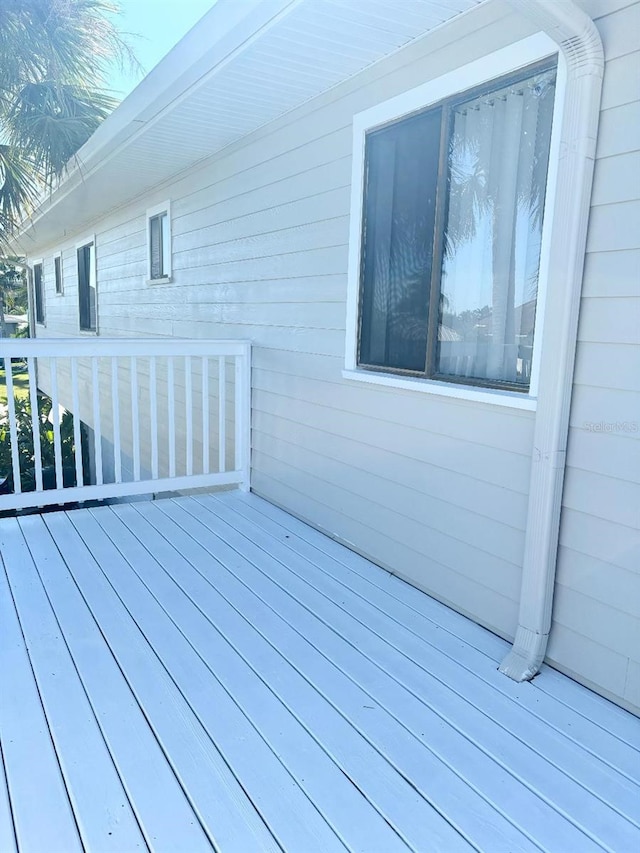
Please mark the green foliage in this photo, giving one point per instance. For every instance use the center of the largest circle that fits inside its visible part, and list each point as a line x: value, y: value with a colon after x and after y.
x: 26, y: 447
x: 20, y: 382
x: 54, y: 60
x: 13, y: 288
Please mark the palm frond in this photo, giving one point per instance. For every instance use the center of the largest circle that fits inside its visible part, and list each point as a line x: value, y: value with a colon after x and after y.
x: 51, y: 122
x: 54, y: 57
x: 18, y: 188
x: 73, y: 41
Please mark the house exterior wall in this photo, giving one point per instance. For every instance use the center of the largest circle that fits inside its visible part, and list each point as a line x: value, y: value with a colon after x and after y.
x: 596, y: 629
x: 433, y: 488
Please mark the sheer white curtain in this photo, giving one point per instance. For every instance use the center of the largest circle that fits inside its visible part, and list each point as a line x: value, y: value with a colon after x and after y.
x: 498, y: 153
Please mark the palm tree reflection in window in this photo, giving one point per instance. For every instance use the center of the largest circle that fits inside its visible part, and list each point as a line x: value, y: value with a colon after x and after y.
x: 497, y: 167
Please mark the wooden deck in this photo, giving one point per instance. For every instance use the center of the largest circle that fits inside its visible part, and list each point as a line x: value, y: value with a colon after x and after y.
x: 210, y: 673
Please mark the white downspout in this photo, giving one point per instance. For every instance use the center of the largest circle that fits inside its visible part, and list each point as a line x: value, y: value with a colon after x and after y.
x: 574, y: 31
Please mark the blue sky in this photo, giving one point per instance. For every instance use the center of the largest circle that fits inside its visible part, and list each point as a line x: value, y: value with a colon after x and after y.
x: 155, y: 26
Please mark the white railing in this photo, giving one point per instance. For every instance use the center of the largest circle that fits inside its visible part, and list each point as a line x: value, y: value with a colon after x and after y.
x: 106, y: 418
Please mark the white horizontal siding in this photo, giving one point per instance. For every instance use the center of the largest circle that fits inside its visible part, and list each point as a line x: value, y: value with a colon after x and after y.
x: 596, y: 629
x: 434, y: 489
x: 611, y: 273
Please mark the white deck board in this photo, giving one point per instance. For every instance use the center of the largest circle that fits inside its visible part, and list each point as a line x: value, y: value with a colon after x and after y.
x: 293, y: 817
x: 7, y: 834
x: 360, y: 763
x: 164, y: 813
x: 530, y: 751
x: 174, y: 733
x: 464, y: 672
x: 589, y: 723
x: 46, y: 821
x: 103, y: 812
x: 226, y: 678
x: 425, y: 705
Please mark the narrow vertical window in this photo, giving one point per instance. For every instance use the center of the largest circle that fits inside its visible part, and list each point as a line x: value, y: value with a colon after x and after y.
x: 87, y: 300
x: 38, y: 292
x: 57, y: 270
x: 159, y: 243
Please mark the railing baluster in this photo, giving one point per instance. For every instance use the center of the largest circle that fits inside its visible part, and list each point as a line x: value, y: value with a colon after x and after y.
x: 115, y: 402
x: 13, y: 427
x: 188, y: 402
x: 77, y: 435
x: 35, y: 422
x: 243, y: 418
x: 135, y: 419
x: 97, y: 428
x: 222, y: 414
x: 55, y: 417
x: 171, y: 406
x: 205, y: 414
x: 153, y: 414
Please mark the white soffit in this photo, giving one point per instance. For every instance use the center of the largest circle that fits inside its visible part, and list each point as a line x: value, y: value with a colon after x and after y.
x: 275, y: 56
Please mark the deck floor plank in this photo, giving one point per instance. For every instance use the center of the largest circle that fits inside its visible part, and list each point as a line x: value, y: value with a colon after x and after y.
x: 230, y: 652
x: 291, y: 814
x: 162, y: 809
x: 171, y: 727
x: 457, y: 747
x: 8, y: 842
x: 46, y: 821
x: 431, y: 611
x: 414, y: 668
x: 563, y: 707
x: 242, y: 585
x: 236, y: 681
x: 105, y: 819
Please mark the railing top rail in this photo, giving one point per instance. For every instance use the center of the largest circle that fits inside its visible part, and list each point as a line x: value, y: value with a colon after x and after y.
x: 86, y: 347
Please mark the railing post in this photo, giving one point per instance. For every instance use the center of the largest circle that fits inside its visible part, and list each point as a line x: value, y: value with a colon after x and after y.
x: 243, y: 417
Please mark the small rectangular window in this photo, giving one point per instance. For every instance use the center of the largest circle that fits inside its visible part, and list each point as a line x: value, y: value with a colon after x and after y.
x: 159, y: 242
x: 57, y: 270
x: 38, y: 292
x: 87, y: 290
x: 452, y: 225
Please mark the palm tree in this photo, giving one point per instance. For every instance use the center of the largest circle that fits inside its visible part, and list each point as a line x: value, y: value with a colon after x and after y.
x: 54, y: 56
x: 13, y: 289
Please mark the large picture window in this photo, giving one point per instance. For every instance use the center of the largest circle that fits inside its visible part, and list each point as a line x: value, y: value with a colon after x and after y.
x: 451, y: 235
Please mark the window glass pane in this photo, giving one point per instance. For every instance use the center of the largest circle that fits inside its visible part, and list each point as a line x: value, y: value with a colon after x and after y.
x: 93, y: 307
x: 497, y: 169
x: 166, y: 248
x: 57, y: 264
x: 87, y: 287
x: 157, y: 240
x: 399, y: 212
x: 38, y: 291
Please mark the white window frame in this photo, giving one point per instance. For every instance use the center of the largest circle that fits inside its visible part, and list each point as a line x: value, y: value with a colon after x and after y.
x: 87, y: 240
x: 167, y: 250
x: 34, y: 263
x: 61, y: 291
x: 492, y: 67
